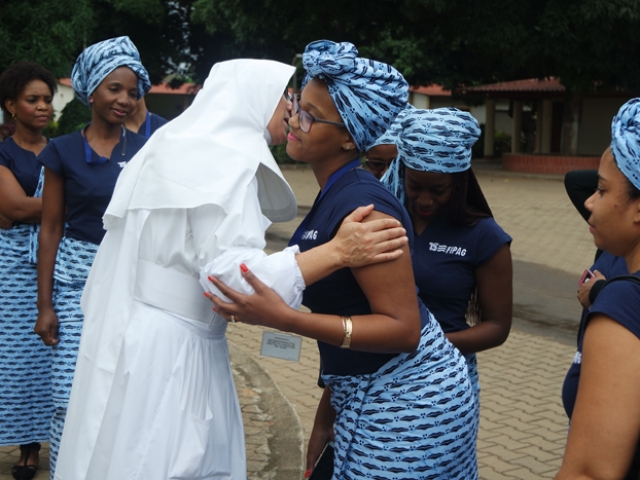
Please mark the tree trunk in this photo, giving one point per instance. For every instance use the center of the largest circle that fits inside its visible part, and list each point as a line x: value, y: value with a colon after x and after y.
x: 570, y: 122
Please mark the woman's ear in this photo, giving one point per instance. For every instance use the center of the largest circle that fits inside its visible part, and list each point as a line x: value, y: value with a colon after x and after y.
x: 636, y: 213
x: 10, y: 105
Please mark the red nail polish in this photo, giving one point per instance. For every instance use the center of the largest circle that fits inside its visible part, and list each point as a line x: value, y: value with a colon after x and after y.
x: 307, y: 474
x: 210, y: 279
x: 205, y: 294
x: 244, y: 268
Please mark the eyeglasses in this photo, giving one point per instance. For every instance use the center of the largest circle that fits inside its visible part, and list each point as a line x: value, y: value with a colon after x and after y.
x: 376, y: 165
x: 305, y: 119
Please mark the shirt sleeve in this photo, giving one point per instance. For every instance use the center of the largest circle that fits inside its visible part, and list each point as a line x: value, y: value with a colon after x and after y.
x: 236, y: 238
x: 620, y: 300
x: 490, y: 238
x: 50, y: 158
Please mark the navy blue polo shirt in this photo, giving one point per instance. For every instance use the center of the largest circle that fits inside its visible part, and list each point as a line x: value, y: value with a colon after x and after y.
x: 151, y: 124
x: 23, y: 164
x: 620, y: 300
x: 88, y: 186
x: 339, y: 293
x: 445, y: 257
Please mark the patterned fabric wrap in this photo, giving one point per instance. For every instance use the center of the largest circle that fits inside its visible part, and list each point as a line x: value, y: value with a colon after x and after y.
x: 625, y: 140
x: 367, y: 94
x: 26, y: 406
x: 390, y: 137
x: 73, y: 264
x: 416, y: 418
x: 100, y: 59
x: 437, y: 140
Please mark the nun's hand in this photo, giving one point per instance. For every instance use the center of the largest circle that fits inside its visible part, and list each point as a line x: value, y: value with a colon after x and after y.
x: 264, y: 307
x: 363, y: 243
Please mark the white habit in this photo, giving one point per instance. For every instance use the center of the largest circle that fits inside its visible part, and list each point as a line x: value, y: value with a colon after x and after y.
x: 153, y: 395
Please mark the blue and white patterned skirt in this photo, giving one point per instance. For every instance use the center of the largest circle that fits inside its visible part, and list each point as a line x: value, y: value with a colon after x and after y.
x: 413, y: 419
x: 26, y: 406
x: 73, y: 264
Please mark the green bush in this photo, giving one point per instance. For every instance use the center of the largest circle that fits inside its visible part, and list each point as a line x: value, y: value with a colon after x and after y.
x: 75, y: 115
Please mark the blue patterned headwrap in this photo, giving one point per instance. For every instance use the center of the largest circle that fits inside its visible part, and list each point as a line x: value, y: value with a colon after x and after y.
x: 100, y: 59
x: 390, y: 137
x: 437, y: 141
x: 368, y: 94
x: 625, y: 140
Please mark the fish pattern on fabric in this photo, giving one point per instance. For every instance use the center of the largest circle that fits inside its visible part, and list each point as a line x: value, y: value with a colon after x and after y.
x: 438, y: 140
x: 73, y: 263
x: 625, y: 140
x: 100, y: 59
x: 368, y: 94
x: 26, y: 406
x: 416, y: 418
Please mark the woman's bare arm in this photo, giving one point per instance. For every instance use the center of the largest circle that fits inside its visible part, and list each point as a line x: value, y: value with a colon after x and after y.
x: 356, y: 243
x: 51, y: 231
x: 393, y: 327
x: 495, y: 293
x: 14, y: 202
x: 605, y: 426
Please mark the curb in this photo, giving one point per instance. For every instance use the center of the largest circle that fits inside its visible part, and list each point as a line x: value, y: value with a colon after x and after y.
x: 273, y: 433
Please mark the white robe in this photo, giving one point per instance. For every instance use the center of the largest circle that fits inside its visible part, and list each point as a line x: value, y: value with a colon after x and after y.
x: 153, y: 396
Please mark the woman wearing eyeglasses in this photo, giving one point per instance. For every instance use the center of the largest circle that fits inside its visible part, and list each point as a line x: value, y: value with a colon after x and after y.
x: 397, y: 400
x: 153, y: 396
x: 382, y: 152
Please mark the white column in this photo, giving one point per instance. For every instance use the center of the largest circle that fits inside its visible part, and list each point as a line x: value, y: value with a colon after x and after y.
x: 516, y: 128
x: 489, y: 128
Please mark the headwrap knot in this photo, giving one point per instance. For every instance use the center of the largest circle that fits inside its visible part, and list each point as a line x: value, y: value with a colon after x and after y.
x: 437, y: 141
x: 328, y: 58
x: 625, y: 140
x: 367, y: 94
x: 100, y: 59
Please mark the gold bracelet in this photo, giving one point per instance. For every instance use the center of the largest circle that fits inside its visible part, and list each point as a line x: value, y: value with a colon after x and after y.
x: 347, y: 326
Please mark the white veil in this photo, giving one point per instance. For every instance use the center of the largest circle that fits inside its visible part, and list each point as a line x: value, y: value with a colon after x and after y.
x: 210, y: 153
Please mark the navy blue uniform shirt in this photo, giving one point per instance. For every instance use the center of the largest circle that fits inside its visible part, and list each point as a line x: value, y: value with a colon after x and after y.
x: 445, y: 257
x: 23, y: 164
x: 339, y: 293
x: 88, y: 186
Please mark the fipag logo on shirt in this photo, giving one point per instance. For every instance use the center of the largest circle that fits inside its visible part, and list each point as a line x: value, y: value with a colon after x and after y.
x: 450, y: 250
x: 309, y: 235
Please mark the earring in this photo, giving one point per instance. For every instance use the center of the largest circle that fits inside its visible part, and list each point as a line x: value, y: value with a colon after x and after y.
x: 14, y: 117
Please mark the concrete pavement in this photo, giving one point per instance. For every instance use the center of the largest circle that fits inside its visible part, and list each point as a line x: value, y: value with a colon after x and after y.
x: 523, y: 426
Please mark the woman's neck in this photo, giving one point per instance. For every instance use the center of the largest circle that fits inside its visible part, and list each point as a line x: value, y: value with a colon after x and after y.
x: 103, y: 132
x: 29, y: 139
x: 632, y: 259
x: 103, y: 136
x: 324, y: 169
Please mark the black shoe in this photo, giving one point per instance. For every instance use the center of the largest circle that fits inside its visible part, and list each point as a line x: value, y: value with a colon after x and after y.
x: 26, y: 472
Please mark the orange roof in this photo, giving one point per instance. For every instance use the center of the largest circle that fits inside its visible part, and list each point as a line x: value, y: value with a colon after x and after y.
x: 431, y: 91
x: 551, y: 84
x: 161, y: 89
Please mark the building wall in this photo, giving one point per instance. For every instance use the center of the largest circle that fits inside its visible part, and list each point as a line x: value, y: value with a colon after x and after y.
x: 594, y: 134
x: 168, y: 106
x: 62, y: 96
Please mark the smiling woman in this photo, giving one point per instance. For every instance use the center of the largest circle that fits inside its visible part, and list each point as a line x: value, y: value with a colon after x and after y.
x: 81, y: 170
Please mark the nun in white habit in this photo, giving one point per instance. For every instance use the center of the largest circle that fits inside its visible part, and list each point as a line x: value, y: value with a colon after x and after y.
x: 153, y: 395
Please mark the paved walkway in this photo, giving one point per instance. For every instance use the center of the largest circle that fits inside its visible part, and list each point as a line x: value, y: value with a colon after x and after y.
x: 523, y: 426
